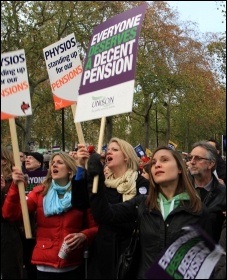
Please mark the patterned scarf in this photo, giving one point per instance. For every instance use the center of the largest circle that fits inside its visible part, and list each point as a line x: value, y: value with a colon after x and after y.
x: 52, y: 204
x: 125, y: 185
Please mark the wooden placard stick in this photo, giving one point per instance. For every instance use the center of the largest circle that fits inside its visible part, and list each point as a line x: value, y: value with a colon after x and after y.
x: 78, y: 126
x: 78, y: 129
x: 100, y: 143
x: 21, y: 187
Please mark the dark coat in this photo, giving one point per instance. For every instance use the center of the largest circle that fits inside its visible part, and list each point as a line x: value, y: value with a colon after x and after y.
x: 11, y: 245
x: 155, y: 233
x: 215, y: 201
x: 221, y: 168
x: 220, y: 269
x: 111, y: 240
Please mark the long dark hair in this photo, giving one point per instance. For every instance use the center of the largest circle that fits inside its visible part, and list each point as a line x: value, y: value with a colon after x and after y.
x: 184, y: 184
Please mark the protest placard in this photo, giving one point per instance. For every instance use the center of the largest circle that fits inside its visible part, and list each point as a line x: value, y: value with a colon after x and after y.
x: 172, y: 145
x: 139, y: 150
x: 15, y: 94
x: 148, y: 152
x: 64, y: 69
x: 16, y: 102
x: 35, y: 178
x: 107, y: 84
x: 191, y: 256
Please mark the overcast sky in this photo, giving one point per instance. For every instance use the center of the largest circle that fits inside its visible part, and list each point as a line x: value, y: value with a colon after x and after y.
x: 205, y: 13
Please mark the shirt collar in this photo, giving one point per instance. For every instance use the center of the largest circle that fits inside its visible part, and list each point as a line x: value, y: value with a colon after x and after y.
x: 207, y: 187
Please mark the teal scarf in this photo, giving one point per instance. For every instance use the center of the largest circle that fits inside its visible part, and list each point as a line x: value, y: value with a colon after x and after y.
x: 52, y: 204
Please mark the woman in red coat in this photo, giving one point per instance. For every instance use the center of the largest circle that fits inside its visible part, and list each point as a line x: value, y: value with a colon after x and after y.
x: 56, y: 220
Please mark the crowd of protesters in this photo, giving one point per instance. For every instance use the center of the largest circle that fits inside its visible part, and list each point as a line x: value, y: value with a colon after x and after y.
x: 168, y: 188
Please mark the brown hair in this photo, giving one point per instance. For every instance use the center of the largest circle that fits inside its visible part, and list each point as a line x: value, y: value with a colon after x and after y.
x: 147, y: 167
x: 184, y: 184
x: 6, y: 169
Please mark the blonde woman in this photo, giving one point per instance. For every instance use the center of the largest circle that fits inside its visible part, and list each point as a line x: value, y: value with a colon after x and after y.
x: 122, y: 183
x: 57, y: 221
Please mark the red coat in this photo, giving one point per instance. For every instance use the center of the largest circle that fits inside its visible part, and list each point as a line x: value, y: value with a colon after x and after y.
x: 51, y: 230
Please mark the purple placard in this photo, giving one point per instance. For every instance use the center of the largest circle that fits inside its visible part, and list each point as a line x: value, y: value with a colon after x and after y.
x: 111, y: 57
x: 35, y: 178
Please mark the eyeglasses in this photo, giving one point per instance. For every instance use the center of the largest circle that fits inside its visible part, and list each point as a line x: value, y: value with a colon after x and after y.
x: 196, y: 158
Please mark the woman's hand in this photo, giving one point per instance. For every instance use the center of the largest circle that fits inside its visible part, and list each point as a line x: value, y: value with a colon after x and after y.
x: 82, y: 154
x: 75, y: 240
x: 18, y: 176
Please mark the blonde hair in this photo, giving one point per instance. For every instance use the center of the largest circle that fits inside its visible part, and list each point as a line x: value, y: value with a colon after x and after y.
x: 128, y: 151
x: 69, y: 161
x: 6, y: 169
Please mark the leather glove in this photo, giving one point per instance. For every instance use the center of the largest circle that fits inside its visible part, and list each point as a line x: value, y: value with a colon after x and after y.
x: 80, y: 196
x: 94, y: 166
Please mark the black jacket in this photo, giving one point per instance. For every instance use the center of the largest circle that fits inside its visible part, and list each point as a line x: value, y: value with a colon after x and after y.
x: 111, y: 239
x: 11, y: 245
x: 155, y: 233
x: 215, y: 201
x: 221, y: 168
x: 220, y: 268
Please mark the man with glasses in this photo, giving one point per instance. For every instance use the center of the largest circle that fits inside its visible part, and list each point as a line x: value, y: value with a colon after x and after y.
x: 201, y: 163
